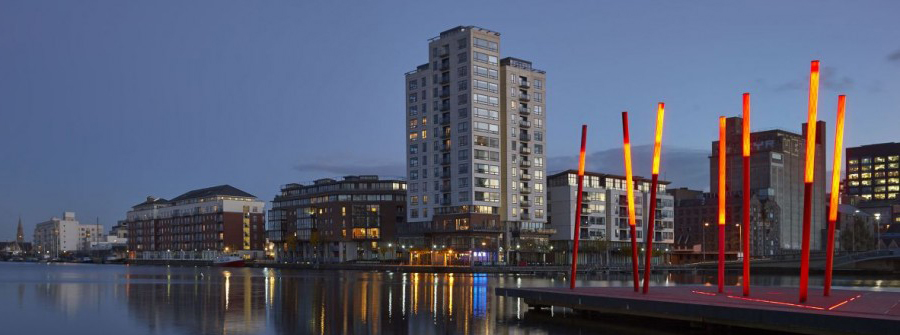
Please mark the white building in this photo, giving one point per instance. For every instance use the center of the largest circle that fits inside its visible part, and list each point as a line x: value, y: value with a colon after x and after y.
x: 57, y: 236
x: 604, y: 214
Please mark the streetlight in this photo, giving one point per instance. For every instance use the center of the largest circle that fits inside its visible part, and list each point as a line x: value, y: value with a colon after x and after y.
x: 703, y: 244
x: 740, y: 238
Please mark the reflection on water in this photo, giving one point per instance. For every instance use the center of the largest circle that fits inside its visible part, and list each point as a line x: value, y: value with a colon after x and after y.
x: 93, y: 299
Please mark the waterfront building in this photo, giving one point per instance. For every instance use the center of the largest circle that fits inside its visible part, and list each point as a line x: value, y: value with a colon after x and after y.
x: 62, y: 235
x: 777, y: 163
x: 604, y: 217
x: 855, y: 230
x: 696, y: 230
x: 332, y: 221
x: 475, y: 154
x: 873, y: 184
x: 198, y: 224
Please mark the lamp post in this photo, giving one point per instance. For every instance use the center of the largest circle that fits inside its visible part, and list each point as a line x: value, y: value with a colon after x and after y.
x: 703, y: 245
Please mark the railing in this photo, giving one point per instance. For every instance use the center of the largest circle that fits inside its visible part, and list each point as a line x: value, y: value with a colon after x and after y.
x: 524, y: 137
x: 525, y: 150
x: 525, y: 176
x: 524, y: 97
x: 524, y: 111
x: 525, y: 124
x: 445, y: 80
x: 525, y: 190
x: 445, y: 67
x: 445, y: 93
x: 524, y: 84
x: 445, y: 121
x: 445, y: 161
x: 445, y: 107
x: 525, y: 203
x: 525, y: 163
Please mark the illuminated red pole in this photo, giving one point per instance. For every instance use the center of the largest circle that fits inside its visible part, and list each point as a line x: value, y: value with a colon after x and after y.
x: 626, y: 147
x: 578, y: 206
x: 745, y: 139
x: 835, y: 191
x: 648, y: 238
x: 808, y: 176
x: 722, y: 152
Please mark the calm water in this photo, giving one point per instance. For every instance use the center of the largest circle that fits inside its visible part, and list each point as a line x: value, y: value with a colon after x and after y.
x: 99, y: 299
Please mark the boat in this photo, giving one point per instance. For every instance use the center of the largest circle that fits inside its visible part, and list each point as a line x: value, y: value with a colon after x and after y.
x: 229, y: 261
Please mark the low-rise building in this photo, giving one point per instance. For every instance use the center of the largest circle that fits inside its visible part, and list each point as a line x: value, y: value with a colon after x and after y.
x: 199, y: 224
x: 605, y: 228
x: 332, y: 221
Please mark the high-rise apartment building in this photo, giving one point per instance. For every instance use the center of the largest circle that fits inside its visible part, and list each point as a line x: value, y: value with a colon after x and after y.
x: 198, y: 224
x: 333, y: 221
x: 475, y: 141
x: 604, y: 215
x: 777, y: 163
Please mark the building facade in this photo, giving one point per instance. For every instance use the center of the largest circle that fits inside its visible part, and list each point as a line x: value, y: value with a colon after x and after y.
x: 475, y: 141
x: 777, y: 163
x: 333, y: 221
x: 59, y: 236
x: 199, y: 224
x: 873, y: 183
x: 604, y: 217
x: 696, y: 227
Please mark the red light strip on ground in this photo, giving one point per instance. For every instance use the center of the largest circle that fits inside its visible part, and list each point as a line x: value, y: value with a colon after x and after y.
x: 784, y: 303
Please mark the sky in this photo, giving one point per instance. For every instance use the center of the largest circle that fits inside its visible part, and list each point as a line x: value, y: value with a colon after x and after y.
x: 106, y: 102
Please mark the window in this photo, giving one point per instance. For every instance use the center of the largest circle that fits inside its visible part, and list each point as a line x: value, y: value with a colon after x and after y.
x: 538, y: 110
x: 487, y: 127
x: 463, y: 196
x: 538, y: 84
x: 414, y: 174
x: 413, y: 149
x: 463, y: 154
x: 413, y: 136
x: 486, y: 113
x: 485, y: 72
x: 413, y: 97
x: 462, y: 127
x: 413, y: 85
x: 414, y: 161
x: 486, y: 99
x: 538, y: 96
x: 539, y: 123
x: 487, y: 182
x: 463, y: 182
x: 485, y: 44
x: 538, y: 149
x: 487, y: 155
x: 462, y: 71
x: 538, y: 136
x: 487, y: 141
x: 463, y: 141
x: 462, y: 85
x: 413, y: 123
x: 487, y: 196
x: 485, y: 58
x: 485, y: 86
x: 487, y: 169
x: 463, y: 169
x: 462, y: 113
x: 462, y: 99
x: 462, y: 57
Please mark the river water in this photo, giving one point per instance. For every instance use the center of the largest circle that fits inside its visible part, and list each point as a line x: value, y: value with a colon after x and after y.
x: 77, y: 299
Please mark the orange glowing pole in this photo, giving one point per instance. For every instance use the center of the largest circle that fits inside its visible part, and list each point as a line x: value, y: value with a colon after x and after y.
x: 835, y: 190
x: 808, y: 176
x: 722, y: 152
x: 745, y: 141
x: 629, y: 184
x: 651, y: 221
x: 578, y: 206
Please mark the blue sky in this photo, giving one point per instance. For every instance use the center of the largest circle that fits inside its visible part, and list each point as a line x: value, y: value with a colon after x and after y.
x: 106, y: 102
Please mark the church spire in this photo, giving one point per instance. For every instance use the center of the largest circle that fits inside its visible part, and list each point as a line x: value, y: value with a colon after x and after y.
x: 20, y: 233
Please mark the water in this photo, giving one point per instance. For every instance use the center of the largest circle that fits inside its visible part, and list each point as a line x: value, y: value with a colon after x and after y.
x: 97, y: 299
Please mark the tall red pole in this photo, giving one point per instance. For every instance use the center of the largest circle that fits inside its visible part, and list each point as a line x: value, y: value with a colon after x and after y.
x: 745, y: 139
x: 629, y: 183
x: 835, y: 191
x: 808, y: 176
x: 651, y: 221
x: 578, y: 206
x: 722, y: 154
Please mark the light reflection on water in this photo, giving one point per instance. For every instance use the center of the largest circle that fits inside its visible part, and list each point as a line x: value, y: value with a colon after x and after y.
x: 93, y: 299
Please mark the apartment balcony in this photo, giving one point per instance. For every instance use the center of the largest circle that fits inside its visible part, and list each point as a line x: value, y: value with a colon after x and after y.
x: 525, y: 176
x: 525, y: 124
x: 524, y: 84
x: 442, y: 52
x: 445, y: 135
x: 444, y: 202
x: 445, y: 93
x: 524, y: 111
x: 524, y: 137
x: 445, y: 188
x: 445, y: 107
x: 524, y: 97
x: 446, y: 148
x: 445, y: 67
x: 445, y: 121
x: 445, y: 161
x: 445, y: 80
x: 525, y: 190
x: 525, y: 203
x: 525, y: 150
x: 525, y: 216
x: 525, y: 163
x: 445, y: 175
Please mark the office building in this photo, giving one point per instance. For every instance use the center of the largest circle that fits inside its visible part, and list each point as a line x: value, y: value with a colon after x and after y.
x: 777, y: 164
x: 604, y: 217
x: 333, y: 221
x: 197, y: 225
x: 873, y: 183
x: 475, y: 147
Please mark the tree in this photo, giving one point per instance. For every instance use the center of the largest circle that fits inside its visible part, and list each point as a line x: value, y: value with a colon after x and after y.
x: 857, y: 236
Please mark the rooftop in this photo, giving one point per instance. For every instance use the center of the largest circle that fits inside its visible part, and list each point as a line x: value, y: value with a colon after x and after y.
x: 213, y: 191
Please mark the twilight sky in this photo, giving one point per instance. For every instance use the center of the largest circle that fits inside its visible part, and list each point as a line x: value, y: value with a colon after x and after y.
x: 105, y: 102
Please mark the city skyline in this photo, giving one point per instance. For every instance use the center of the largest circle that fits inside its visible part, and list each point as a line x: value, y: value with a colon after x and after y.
x: 115, y: 104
